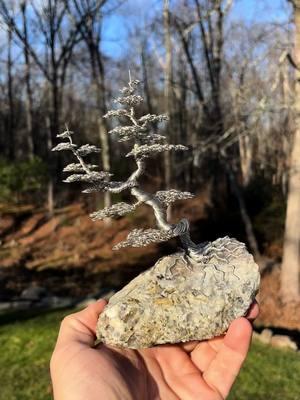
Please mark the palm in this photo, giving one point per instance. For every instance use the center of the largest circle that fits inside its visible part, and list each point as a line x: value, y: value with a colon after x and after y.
x: 190, y: 371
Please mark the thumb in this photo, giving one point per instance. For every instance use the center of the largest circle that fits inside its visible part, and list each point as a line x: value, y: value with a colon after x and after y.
x: 80, y: 327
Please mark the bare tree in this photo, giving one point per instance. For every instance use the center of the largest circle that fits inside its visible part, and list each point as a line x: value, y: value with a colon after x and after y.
x: 291, y: 250
x: 88, y: 16
x: 11, y: 106
x: 167, y: 81
x: 212, y: 43
x: 145, y: 73
x: 29, y: 93
x: 59, y: 39
x: 210, y: 17
x: 168, y: 70
x: 181, y: 50
x: 237, y: 191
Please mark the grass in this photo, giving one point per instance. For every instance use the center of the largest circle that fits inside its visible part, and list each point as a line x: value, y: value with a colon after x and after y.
x: 27, y: 341
x: 26, y: 346
x: 268, y: 373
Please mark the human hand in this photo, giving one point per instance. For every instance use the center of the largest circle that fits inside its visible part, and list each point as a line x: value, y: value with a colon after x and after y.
x: 196, y: 370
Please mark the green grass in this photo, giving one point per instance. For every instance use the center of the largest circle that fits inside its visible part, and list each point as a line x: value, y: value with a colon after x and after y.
x: 268, y: 374
x: 26, y: 346
x: 27, y: 342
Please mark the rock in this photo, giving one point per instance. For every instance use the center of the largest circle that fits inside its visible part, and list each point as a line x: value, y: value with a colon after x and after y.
x: 283, y: 341
x: 179, y: 299
x: 255, y: 335
x: 85, y: 302
x: 33, y: 293
x: 21, y: 305
x: 5, y: 305
x: 103, y: 292
x: 56, y: 302
x: 265, y: 336
x: 108, y: 294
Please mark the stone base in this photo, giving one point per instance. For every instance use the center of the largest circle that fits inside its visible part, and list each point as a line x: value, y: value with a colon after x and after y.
x: 180, y: 299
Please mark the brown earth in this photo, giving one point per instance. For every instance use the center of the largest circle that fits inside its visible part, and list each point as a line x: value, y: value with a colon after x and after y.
x: 273, y: 312
x: 69, y: 254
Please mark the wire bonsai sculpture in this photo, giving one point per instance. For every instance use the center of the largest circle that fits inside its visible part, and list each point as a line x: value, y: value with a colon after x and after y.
x: 146, y: 144
x: 225, y: 279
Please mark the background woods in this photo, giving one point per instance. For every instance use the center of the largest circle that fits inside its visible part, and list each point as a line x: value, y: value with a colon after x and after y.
x: 228, y: 82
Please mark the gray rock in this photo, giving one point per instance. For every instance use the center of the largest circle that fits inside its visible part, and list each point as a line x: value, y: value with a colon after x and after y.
x: 33, y: 293
x: 266, y: 336
x: 5, y: 305
x: 179, y: 300
x: 105, y: 293
x: 21, y: 305
x: 283, y: 341
x: 55, y: 302
x: 85, y: 302
x: 255, y: 336
x: 108, y: 295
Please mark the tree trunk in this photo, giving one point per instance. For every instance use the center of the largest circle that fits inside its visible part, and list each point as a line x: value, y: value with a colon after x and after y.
x: 50, y: 186
x: 245, y: 149
x: 145, y: 77
x: 11, y: 133
x: 183, y: 135
x: 194, y: 72
x: 212, y: 44
x: 167, y: 96
x: 29, y: 102
x: 105, y: 156
x: 55, y: 104
x: 97, y: 73
x: 291, y: 258
x: 243, y: 210
x: 104, y: 138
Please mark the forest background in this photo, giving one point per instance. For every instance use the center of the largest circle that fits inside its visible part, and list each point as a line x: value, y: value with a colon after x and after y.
x: 226, y: 73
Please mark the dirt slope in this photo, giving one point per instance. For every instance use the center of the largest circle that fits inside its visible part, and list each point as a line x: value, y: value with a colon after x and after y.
x: 69, y: 254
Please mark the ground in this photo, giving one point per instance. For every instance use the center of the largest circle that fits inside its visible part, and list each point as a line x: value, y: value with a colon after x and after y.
x: 29, y: 339
x: 71, y: 255
x: 273, y: 312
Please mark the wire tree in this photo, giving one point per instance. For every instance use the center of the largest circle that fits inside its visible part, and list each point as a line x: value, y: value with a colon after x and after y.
x: 147, y: 143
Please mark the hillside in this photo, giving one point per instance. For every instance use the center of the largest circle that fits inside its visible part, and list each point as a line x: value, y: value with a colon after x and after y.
x: 70, y: 255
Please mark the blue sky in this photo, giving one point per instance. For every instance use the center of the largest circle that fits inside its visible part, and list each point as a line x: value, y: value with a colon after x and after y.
x: 261, y: 10
x: 115, y: 27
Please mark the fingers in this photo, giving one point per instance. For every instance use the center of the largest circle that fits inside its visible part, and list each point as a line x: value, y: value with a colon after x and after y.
x: 80, y: 327
x: 216, y: 342
x: 224, y: 368
x: 253, y: 311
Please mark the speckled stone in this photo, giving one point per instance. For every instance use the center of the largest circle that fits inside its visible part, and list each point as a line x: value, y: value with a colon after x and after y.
x: 180, y: 299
